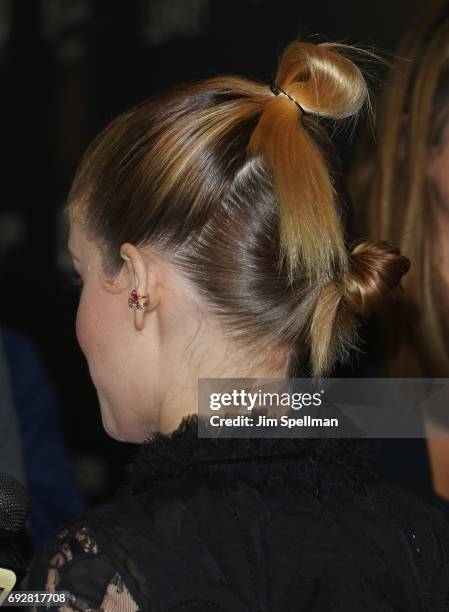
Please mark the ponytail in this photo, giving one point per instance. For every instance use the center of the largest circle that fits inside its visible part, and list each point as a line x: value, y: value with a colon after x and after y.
x: 318, y: 80
x: 324, y: 83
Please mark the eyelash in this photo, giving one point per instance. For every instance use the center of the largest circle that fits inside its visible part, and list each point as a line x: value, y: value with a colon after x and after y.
x: 76, y: 279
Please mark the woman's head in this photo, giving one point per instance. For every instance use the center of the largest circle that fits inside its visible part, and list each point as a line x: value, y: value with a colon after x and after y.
x: 219, y: 200
x: 400, y: 182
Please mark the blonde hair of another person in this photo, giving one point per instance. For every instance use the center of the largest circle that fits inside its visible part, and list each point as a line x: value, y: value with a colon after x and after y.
x: 398, y: 185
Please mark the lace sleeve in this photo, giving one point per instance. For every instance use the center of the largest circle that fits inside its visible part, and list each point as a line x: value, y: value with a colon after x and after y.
x: 73, y: 562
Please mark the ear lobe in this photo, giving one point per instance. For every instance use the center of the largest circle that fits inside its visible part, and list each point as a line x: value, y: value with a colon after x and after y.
x: 139, y: 304
x: 139, y: 319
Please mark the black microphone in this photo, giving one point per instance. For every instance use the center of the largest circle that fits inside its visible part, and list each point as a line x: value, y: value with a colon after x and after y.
x: 15, y: 506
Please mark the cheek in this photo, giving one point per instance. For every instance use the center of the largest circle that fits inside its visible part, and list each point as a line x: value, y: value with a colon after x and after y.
x: 96, y: 320
x: 86, y: 325
x: 81, y: 326
x: 120, y: 363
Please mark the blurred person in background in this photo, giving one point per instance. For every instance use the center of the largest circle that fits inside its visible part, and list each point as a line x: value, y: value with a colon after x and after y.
x: 400, y: 187
x: 32, y: 448
x: 31, y: 443
x: 206, y: 227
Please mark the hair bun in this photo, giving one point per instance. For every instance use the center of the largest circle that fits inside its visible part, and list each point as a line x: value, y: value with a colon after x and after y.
x: 322, y: 79
x: 376, y: 271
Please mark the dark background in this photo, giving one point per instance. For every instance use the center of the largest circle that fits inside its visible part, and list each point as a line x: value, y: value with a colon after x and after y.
x: 67, y: 67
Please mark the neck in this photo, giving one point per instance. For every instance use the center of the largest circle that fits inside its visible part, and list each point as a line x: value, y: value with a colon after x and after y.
x: 182, y: 397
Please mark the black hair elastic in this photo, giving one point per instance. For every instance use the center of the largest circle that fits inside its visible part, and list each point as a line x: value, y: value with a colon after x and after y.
x: 277, y: 90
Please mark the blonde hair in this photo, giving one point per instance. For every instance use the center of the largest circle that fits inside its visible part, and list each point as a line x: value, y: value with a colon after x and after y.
x: 398, y: 199
x: 240, y: 190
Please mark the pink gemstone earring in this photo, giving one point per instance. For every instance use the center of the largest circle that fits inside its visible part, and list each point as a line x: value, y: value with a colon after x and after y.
x: 134, y: 300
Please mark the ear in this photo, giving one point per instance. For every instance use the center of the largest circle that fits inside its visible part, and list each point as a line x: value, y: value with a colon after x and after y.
x: 141, y: 277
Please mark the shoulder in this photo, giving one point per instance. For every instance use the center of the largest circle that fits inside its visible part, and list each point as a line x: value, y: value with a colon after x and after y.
x: 73, y: 560
x: 219, y: 546
x: 410, y: 513
x: 383, y: 540
x: 179, y: 509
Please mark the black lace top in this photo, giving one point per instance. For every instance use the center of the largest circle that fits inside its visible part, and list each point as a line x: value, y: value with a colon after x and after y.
x: 239, y: 525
